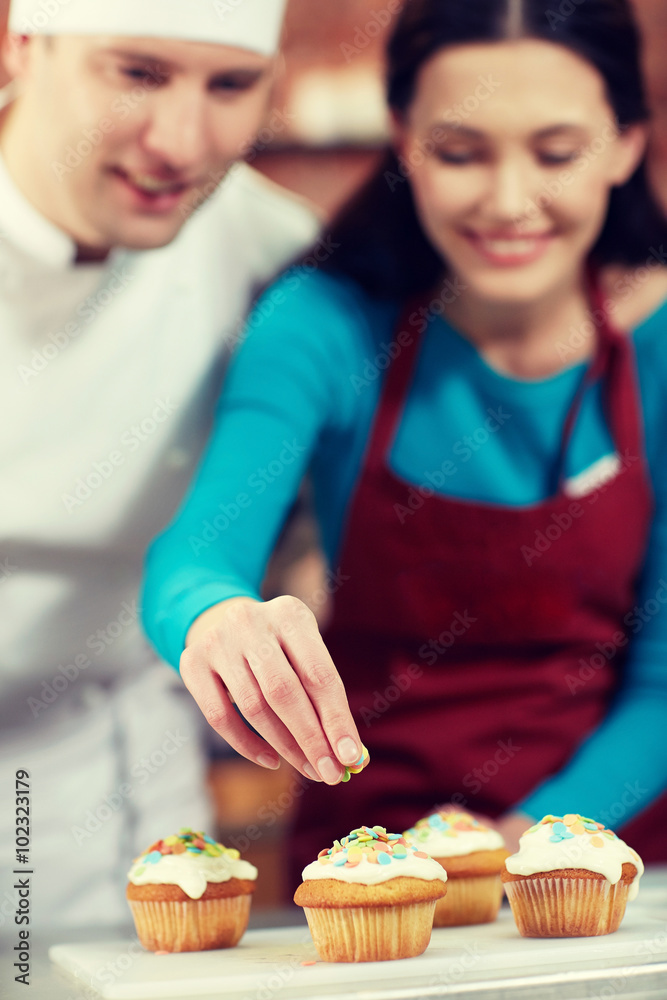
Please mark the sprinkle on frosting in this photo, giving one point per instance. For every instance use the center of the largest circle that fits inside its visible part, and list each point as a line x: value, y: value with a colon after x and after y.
x: 359, y: 766
x: 449, y: 832
x: 568, y: 826
x: 372, y: 843
x: 189, y: 842
x: 191, y: 860
x: 574, y: 841
x: 369, y: 854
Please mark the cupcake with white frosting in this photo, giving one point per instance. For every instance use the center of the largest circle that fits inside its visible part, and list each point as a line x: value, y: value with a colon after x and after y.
x: 189, y: 893
x: 571, y: 877
x: 371, y: 897
x: 473, y: 855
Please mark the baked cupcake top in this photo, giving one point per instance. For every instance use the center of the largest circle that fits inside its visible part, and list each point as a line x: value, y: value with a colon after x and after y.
x: 447, y: 833
x: 369, y: 855
x: 574, y: 841
x: 189, y: 860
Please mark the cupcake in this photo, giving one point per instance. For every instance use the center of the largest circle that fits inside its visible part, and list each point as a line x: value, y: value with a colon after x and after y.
x: 473, y: 856
x: 370, y: 897
x: 189, y: 893
x: 570, y: 878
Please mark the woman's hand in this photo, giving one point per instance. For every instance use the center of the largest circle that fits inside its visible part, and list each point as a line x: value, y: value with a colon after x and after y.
x: 511, y: 826
x: 268, y: 658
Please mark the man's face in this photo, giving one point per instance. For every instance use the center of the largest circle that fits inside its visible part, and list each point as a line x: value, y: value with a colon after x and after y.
x: 117, y: 140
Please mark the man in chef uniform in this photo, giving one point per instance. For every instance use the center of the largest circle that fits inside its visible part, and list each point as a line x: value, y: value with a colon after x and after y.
x: 131, y: 244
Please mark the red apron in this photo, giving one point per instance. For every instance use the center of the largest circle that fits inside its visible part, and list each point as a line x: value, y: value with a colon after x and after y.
x: 476, y: 641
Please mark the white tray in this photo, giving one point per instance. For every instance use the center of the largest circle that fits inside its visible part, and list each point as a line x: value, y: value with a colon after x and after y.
x: 267, y: 965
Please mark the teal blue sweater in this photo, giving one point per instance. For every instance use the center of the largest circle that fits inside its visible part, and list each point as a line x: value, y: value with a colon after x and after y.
x: 301, y: 395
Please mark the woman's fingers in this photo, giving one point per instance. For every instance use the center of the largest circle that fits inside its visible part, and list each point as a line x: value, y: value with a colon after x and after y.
x: 322, y: 683
x: 271, y: 660
x: 271, y: 696
x: 213, y: 697
x: 209, y: 692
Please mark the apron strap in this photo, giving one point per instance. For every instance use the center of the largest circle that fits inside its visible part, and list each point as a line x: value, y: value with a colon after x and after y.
x: 614, y: 362
x: 407, y: 339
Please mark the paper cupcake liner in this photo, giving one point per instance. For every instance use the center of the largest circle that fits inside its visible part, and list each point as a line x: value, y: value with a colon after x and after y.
x: 371, y: 934
x: 566, y: 907
x: 198, y: 925
x: 473, y: 899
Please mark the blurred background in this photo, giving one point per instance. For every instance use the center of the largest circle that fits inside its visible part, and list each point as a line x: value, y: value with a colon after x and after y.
x: 329, y: 133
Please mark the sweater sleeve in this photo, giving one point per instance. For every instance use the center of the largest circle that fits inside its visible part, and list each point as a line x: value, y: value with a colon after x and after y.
x: 619, y: 770
x: 288, y: 383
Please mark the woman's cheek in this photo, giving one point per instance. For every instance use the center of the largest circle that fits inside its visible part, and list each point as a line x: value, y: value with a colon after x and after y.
x: 581, y: 194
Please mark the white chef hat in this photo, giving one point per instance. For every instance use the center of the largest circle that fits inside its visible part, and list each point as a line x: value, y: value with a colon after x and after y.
x: 243, y: 24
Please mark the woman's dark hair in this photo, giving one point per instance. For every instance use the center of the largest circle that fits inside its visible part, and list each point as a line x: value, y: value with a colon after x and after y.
x: 382, y: 245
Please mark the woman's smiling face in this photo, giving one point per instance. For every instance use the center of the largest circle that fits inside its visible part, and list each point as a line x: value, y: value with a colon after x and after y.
x: 512, y: 150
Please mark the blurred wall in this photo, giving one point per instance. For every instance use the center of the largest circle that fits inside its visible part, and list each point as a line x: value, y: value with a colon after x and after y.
x: 318, y: 32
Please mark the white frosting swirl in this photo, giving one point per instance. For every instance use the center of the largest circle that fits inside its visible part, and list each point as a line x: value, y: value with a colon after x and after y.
x: 439, y: 845
x: 190, y: 872
x: 370, y: 873
x: 537, y: 853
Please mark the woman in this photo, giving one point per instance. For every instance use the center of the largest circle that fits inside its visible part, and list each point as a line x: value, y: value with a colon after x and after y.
x: 492, y: 506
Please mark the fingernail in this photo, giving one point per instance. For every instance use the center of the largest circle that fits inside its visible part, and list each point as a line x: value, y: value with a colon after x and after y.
x: 330, y: 770
x: 311, y: 772
x: 348, y: 751
x: 266, y: 760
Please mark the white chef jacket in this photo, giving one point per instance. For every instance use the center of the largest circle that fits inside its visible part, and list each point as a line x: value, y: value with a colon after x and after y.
x: 108, y: 378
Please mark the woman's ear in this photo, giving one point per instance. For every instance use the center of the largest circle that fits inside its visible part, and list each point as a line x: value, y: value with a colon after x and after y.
x: 630, y: 149
x: 15, y: 54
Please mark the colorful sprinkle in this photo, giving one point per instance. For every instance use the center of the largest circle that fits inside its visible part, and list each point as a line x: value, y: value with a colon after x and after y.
x: 188, y: 843
x: 359, y: 766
